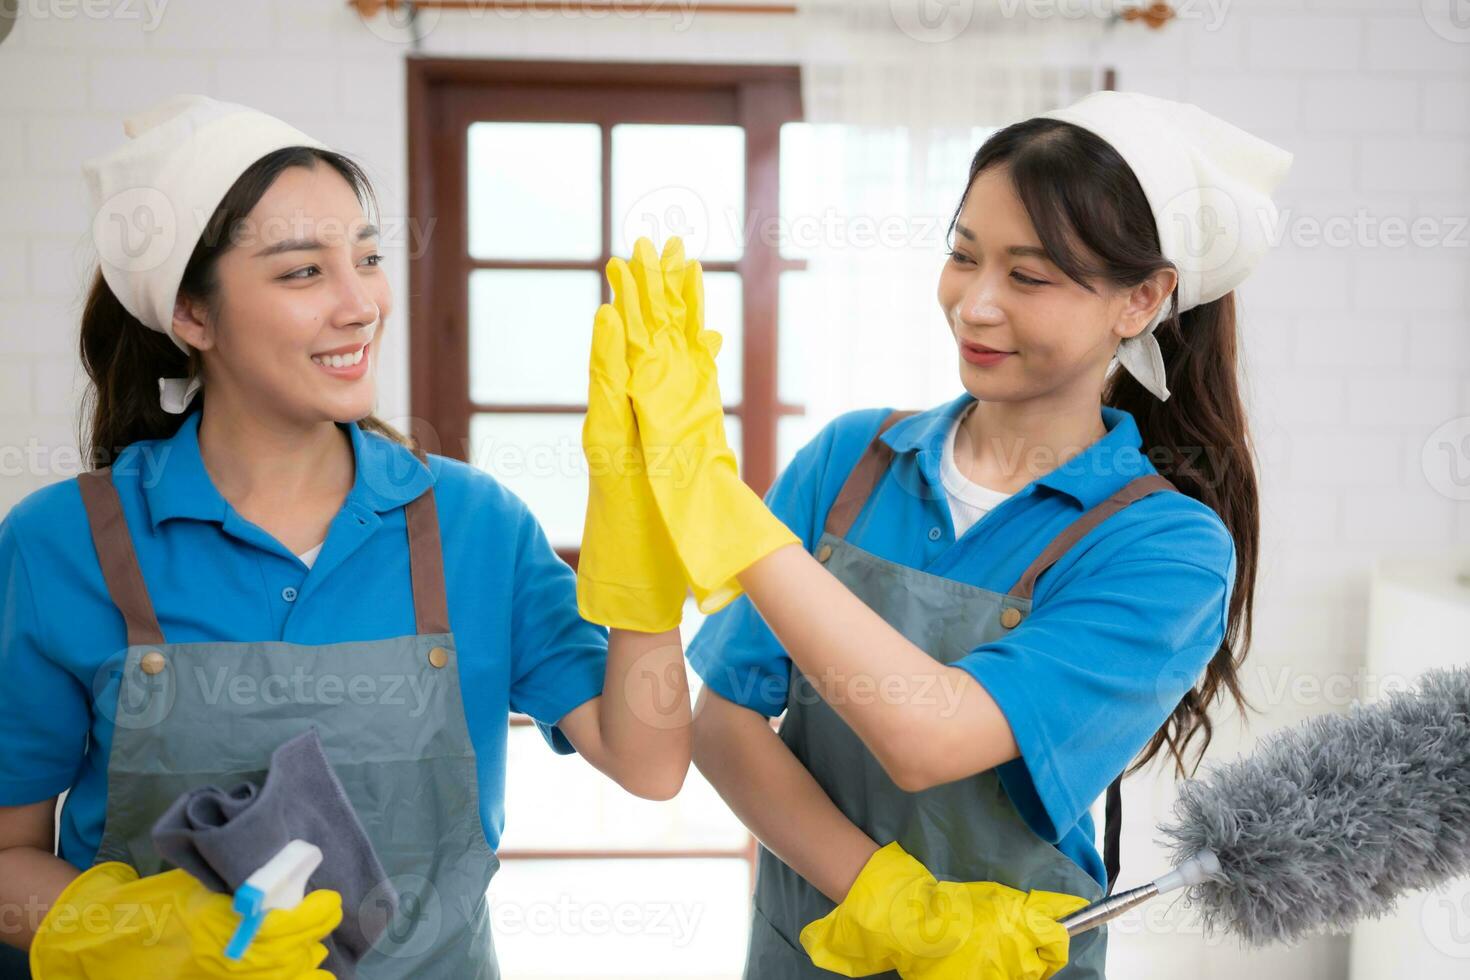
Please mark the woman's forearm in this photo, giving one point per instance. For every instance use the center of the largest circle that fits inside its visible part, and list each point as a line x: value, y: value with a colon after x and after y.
x: 31, y: 876
x: 644, y: 717
x: 30, y: 880
x: 925, y: 722
x: 776, y: 797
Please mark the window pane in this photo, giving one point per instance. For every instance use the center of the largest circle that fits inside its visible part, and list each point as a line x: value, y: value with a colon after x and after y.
x: 885, y: 201
x: 539, y: 459
x: 734, y: 435
x: 525, y: 327
x: 693, y: 620
x: 559, y: 802
x: 530, y: 335
x: 797, y: 312
x: 679, y: 180
x: 665, y: 919
x: 535, y: 190
x: 793, y: 432
x: 724, y: 312
x: 794, y: 195
x: 826, y: 209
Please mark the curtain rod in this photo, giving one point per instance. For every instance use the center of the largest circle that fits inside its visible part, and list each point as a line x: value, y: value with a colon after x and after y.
x: 1155, y: 15
x: 368, y: 8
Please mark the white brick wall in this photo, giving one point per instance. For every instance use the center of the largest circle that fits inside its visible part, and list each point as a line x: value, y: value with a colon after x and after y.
x: 69, y: 78
x: 1355, y: 351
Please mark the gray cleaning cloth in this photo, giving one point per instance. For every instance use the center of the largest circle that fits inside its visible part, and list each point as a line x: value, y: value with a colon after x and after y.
x: 222, y: 836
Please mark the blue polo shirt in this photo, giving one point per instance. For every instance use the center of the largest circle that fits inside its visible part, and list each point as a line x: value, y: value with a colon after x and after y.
x: 214, y: 576
x: 1121, y: 626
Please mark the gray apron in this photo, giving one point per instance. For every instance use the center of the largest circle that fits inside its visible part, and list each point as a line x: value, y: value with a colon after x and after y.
x: 390, y: 717
x: 966, y: 830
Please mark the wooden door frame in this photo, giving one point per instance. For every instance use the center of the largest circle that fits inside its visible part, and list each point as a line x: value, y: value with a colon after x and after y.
x: 445, y: 94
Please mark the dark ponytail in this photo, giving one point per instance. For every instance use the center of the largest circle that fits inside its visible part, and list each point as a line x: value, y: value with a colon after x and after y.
x: 1095, y: 222
x: 124, y: 359
x: 1198, y: 439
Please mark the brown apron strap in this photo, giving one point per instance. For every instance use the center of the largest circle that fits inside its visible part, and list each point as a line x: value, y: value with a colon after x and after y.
x: 1135, y: 489
x: 130, y: 594
x: 116, y: 556
x: 426, y: 561
x: 864, y: 477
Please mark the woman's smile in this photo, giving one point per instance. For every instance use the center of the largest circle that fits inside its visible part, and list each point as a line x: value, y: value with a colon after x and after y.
x: 983, y: 356
x: 348, y: 367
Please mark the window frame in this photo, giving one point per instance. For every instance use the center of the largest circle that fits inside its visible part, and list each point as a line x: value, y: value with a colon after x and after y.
x: 446, y: 95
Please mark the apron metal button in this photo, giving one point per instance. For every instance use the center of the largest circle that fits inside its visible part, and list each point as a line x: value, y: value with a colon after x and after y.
x: 438, y: 656
x: 1010, y: 617
x: 824, y: 552
x: 152, y: 662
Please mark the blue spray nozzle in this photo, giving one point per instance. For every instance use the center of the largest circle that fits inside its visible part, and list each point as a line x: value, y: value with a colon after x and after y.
x: 280, y: 883
x: 250, y: 903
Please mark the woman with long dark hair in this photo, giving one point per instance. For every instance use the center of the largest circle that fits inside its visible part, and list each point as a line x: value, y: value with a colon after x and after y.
x: 1000, y: 605
x: 255, y: 555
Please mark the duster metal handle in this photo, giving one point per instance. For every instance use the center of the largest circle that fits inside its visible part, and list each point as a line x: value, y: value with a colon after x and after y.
x: 1202, y: 867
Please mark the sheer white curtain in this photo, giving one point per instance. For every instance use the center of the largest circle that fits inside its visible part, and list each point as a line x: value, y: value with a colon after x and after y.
x: 898, y: 96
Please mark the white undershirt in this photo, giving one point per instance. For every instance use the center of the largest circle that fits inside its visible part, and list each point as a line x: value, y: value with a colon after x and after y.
x: 310, y: 556
x: 968, y: 500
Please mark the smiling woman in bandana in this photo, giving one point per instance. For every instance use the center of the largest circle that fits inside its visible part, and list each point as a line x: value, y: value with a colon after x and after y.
x: 255, y: 520
x: 976, y: 616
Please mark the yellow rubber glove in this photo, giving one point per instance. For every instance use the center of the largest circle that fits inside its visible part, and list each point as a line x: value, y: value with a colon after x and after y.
x: 628, y: 575
x: 109, y: 924
x: 898, y: 916
x: 1013, y: 935
x: 719, y: 526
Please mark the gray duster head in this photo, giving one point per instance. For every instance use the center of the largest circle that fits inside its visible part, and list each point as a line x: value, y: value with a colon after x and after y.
x: 1330, y: 822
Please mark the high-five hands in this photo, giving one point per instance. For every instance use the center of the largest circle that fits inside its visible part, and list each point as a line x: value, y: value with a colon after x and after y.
x: 628, y: 576
x: 716, y: 525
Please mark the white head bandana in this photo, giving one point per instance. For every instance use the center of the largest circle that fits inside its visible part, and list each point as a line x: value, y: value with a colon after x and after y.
x: 153, y: 195
x: 1209, y: 185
